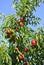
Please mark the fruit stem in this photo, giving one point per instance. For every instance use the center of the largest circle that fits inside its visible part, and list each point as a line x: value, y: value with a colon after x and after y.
x: 18, y: 51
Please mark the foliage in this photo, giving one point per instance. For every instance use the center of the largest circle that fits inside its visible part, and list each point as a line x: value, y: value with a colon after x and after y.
x: 21, y: 35
x: 5, y: 59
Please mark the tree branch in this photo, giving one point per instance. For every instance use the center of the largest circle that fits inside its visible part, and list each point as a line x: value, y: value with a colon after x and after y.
x: 25, y: 61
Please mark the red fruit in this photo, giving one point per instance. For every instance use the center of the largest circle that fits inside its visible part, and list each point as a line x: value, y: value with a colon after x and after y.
x: 25, y: 49
x: 18, y: 21
x: 22, y: 19
x: 8, y: 31
x: 21, y: 24
x: 21, y: 57
x: 34, y: 42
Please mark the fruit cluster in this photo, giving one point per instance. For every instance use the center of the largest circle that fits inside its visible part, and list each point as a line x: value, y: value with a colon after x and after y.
x: 20, y: 21
x: 25, y: 49
x: 33, y: 43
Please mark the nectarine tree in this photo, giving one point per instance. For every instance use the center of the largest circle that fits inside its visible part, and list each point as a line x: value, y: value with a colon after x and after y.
x: 26, y: 46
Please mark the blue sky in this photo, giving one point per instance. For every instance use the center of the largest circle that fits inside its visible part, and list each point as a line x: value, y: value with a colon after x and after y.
x: 6, y: 8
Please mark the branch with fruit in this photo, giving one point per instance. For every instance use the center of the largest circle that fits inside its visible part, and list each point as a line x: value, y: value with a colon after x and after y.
x: 21, y: 56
